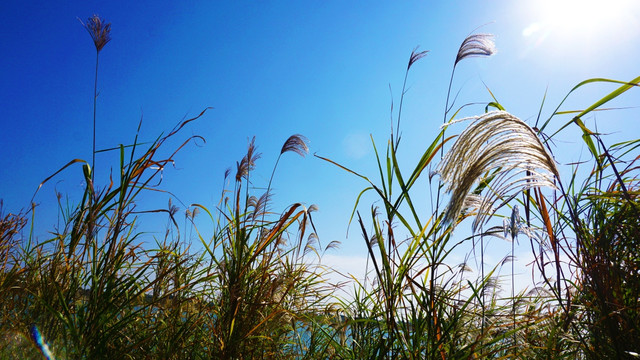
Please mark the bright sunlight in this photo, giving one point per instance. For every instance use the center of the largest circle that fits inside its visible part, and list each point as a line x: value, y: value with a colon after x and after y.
x: 575, y: 23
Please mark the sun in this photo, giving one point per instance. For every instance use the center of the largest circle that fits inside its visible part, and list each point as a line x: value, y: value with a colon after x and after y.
x: 581, y: 16
x: 582, y: 22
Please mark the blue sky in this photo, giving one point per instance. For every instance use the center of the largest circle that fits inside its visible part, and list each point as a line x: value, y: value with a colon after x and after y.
x: 274, y: 68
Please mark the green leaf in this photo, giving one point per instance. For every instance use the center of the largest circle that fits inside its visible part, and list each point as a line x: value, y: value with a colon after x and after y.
x: 626, y: 86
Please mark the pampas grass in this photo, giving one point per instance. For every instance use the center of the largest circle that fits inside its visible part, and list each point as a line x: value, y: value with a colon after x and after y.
x: 496, y: 141
x: 476, y: 45
x: 99, y: 30
x: 296, y: 143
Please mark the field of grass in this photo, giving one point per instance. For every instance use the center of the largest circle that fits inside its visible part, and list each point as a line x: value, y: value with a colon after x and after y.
x: 258, y: 290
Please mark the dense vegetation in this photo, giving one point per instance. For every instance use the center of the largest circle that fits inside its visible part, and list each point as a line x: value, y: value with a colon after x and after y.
x: 258, y: 290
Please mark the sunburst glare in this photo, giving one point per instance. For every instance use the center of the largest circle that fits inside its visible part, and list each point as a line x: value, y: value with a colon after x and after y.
x: 575, y: 24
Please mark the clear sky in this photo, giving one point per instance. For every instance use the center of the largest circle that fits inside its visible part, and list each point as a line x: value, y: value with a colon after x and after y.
x: 275, y: 68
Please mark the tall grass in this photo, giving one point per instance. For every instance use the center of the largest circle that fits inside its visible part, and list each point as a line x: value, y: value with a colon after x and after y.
x: 596, y: 227
x: 102, y: 294
x: 421, y: 306
x: 99, y: 288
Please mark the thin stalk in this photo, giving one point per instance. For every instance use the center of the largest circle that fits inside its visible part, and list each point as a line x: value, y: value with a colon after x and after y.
x: 615, y: 170
x: 435, y: 233
x: 93, y: 153
x: 95, y: 98
x: 404, y: 85
x: 444, y: 121
x: 273, y: 172
x: 483, y: 286
x: 513, y: 285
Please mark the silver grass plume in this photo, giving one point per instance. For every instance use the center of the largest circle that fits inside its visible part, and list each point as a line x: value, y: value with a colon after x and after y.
x: 494, y: 141
x: 260, y: 205
x: 252, y: 202
x: 172, y: 208
x: 248, y: 162
x: 241, y: 169
x: 191, y: 215
x: 511, y: 226
x: 415, y: 56
x: 296, y: 143
x: 476, y: 45
x: 99, y: 30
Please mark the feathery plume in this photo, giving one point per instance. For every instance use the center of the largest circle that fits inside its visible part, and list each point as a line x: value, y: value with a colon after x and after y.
x: 99, y: 30
x: 464, y: 267
x: 248, y: 162
x: 496, y: 141
x: 241, y: 169
x: 476, y: 45
x: 252, y: 201
x: 172, y: 208
x: 296, y: 143
x: 260, y: 205
x: 415, y: 56
x: 511, y: 227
